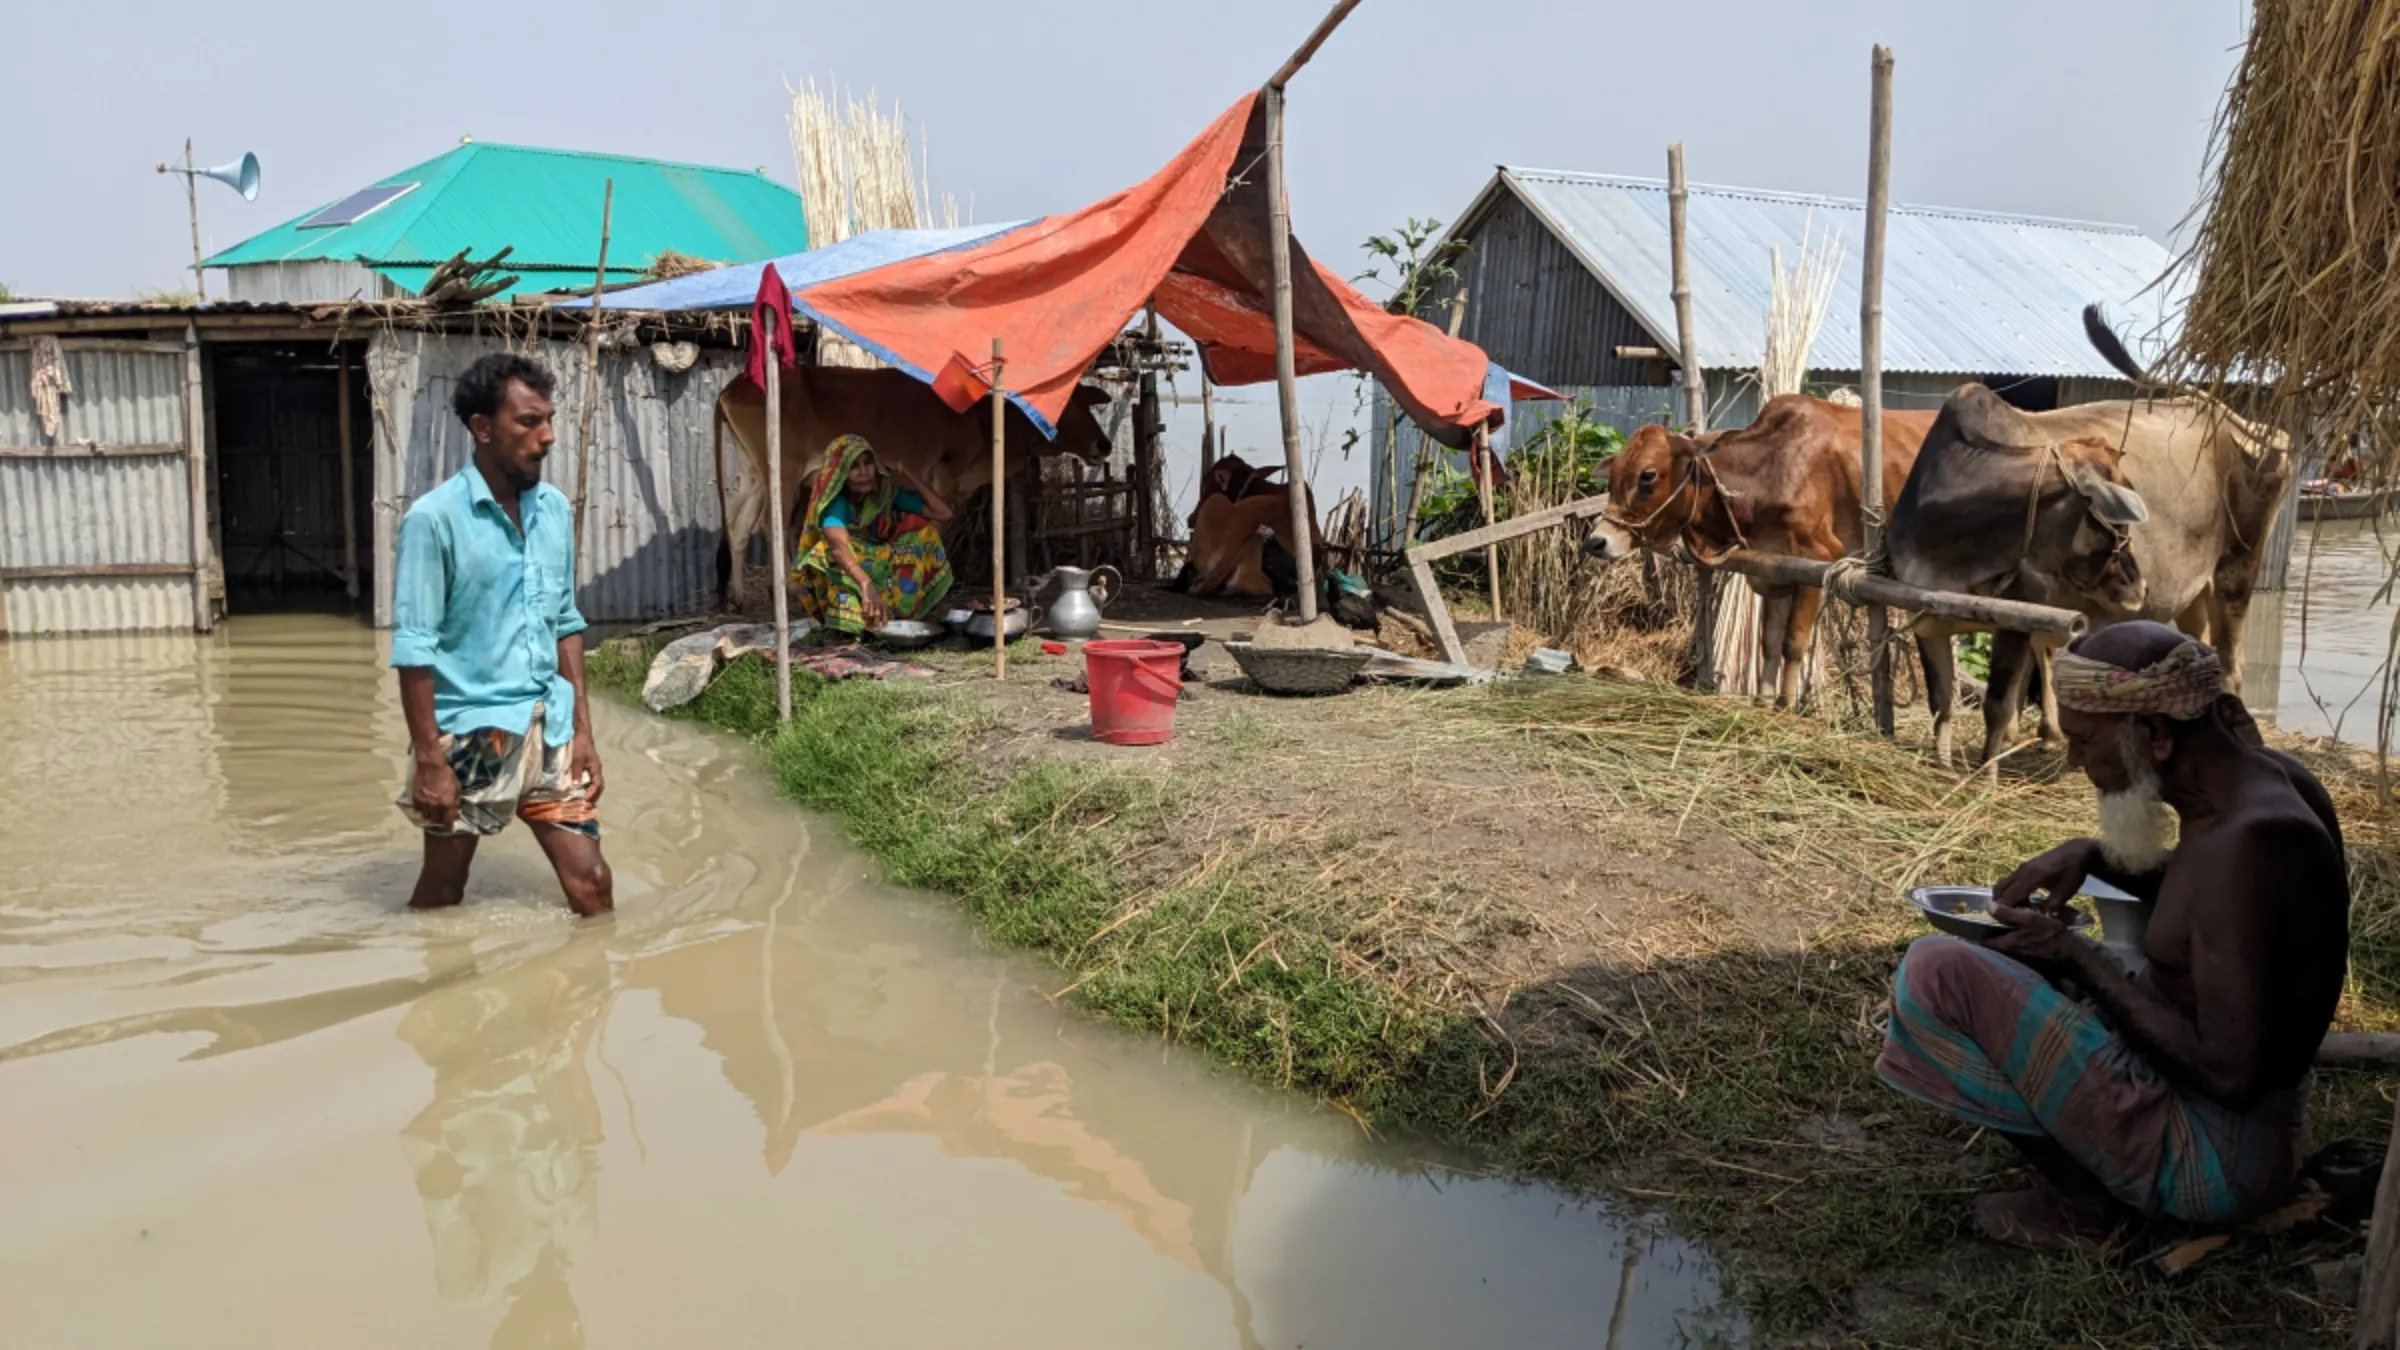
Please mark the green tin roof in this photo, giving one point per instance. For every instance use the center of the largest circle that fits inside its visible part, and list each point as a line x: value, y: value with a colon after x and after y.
x: 546, y: 203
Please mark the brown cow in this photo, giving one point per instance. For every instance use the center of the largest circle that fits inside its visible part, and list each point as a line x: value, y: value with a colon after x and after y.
x: 1229, y: 539
x: 1788, y: 483
x: 1233, y: 477
x: 901, y: 417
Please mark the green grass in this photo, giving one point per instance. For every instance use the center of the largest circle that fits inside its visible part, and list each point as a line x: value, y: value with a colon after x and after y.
x: 1734, y: 1091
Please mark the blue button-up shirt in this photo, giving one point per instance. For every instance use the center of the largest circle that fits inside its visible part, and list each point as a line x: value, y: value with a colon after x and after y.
x: 486, y: 604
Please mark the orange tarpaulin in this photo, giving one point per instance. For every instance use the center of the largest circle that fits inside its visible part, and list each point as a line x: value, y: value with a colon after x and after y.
x: 1194, y: 238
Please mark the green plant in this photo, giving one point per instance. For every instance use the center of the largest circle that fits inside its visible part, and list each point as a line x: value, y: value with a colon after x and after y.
x: 1420, y: 262
x: 7, y: 296
x: 1975, y: 656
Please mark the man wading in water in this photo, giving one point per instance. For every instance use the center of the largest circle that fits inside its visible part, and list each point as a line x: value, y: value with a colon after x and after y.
x: 2183, y: 1091
x: 489, y: 646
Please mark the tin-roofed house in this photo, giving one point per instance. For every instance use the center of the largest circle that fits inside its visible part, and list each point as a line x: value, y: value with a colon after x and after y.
x: 162, y: 465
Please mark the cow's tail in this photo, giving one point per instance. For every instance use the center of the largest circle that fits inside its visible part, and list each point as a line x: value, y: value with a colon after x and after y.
x: 2105, y: 341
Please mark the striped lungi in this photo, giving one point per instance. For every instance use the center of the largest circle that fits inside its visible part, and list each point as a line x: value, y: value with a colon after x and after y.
x: 1986, y: 1039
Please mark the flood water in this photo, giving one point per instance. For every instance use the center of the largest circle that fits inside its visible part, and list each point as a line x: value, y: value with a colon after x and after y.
x: 249, y: 1100
x: 2337, y: 628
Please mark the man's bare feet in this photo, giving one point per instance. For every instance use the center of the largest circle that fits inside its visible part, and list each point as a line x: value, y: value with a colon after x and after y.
x: 2043, y: 1220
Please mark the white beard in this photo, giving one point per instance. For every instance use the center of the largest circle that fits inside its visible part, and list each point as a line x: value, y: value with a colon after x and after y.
x: 2138, y: 829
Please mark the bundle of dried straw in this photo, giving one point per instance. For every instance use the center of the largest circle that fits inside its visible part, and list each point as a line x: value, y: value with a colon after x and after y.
x: 2295, y: 265
x: 855, y: 170
x: 1796, y: 301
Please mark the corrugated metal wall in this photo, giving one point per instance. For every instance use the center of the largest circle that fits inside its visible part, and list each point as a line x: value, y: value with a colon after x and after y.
x: 307, y: 283
x: 68, y: 504
x: 654, y: 515
x: 1535, y: 309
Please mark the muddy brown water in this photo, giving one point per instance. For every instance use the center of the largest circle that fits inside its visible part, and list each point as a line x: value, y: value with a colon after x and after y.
x: 2337, y: 627
x: 249, y: 1100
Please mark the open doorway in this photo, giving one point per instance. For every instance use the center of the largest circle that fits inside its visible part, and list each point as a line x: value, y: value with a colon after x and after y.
x: 292, y: 515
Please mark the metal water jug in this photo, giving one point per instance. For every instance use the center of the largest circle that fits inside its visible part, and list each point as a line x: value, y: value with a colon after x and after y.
x: 1075, y: 614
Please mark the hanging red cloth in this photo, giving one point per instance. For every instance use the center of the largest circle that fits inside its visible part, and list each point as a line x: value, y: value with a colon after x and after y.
x: 771, y: 326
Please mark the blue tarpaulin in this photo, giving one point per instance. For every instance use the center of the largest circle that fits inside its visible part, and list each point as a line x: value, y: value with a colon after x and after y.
x: 735, y: 287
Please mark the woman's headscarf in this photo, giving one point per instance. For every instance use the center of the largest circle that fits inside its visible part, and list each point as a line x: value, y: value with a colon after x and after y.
x: 834, y: 479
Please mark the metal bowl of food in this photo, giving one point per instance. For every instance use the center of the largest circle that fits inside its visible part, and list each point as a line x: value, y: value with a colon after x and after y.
x: 1966, y: 911
x: 956, y: 620
x: 908, y: 634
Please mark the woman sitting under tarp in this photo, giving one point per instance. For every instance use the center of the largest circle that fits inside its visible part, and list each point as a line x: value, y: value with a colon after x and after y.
x: 870, y: 547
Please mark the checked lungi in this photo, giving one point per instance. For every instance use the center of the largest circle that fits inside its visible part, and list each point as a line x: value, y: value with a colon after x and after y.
x: 1986, y: 1039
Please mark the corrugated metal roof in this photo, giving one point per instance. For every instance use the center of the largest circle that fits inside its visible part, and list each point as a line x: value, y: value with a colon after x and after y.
x: 545, y: 204
x: 1965, y: 292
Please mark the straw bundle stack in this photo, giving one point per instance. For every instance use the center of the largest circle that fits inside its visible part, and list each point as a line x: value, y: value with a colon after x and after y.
x: 857, y: 173
x: 1796, y: 301
x: 2293, y: 264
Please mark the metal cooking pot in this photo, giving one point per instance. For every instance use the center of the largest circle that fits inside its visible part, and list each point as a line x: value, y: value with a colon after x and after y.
x: 979, y: 624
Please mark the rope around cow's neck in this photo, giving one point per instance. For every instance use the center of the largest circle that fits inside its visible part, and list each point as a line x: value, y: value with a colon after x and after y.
x: 1690, y: 538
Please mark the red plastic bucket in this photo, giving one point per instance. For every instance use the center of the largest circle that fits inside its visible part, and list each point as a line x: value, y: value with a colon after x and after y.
x: 1134, y: 686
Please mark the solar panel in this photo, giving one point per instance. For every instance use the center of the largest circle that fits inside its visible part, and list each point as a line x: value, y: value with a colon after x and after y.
x: 355, y: 207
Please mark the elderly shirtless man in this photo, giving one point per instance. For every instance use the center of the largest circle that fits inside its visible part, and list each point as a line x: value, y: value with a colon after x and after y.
x: 2182, y: 1092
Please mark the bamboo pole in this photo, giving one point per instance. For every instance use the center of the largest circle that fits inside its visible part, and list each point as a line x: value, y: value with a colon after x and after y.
x: 778, y: 523
x: 999, y: 519
x: 349, y: 470
x: 1279, y: 253
x: 1316, y: 39
x: 2014, y: 615
x: 1687, y: 337
x: 191, y: 199
x: 1287, y: 380
x: 1695, y: 402
x: 1870, y: 372
x: 591, y: 382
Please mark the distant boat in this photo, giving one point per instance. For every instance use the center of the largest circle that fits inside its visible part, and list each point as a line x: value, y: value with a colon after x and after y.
x: 2327, y: 501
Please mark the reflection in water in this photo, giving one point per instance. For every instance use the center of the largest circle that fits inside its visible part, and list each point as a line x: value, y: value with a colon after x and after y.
x: 506, y: 1156
x: 828, y: 1116
x: 2337, y: 628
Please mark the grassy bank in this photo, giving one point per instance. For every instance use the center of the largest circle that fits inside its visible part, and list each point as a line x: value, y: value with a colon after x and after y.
x: 1613, y: 936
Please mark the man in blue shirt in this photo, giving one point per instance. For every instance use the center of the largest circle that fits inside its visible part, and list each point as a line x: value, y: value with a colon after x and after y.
x: 489, y: 646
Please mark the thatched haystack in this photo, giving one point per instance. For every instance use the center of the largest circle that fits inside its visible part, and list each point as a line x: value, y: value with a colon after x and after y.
x: 2296, y: 263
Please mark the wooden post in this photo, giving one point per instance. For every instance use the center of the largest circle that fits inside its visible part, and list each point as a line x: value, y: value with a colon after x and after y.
x: 1147, y: 423
x: 1287, y: 382
x: 1870, y: 372
x: 2379, y: 1283
x: 999, y: 520
x: 1483, y: 489
x: 591, y: 391
x: 1695, y: 402
x: 195, y: 459
x: 777, y: 523
x: 1208, y: 433
x: 341, y: 422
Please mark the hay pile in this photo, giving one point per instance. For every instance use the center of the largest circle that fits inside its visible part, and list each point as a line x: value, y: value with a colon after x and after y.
x: 669, y: 265
x: 2296, y: 264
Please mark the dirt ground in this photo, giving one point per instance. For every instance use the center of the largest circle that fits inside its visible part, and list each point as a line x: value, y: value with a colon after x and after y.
x: 1531, y: 880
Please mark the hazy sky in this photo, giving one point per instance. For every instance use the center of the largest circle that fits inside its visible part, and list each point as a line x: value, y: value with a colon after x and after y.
x: 2089, y: 108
